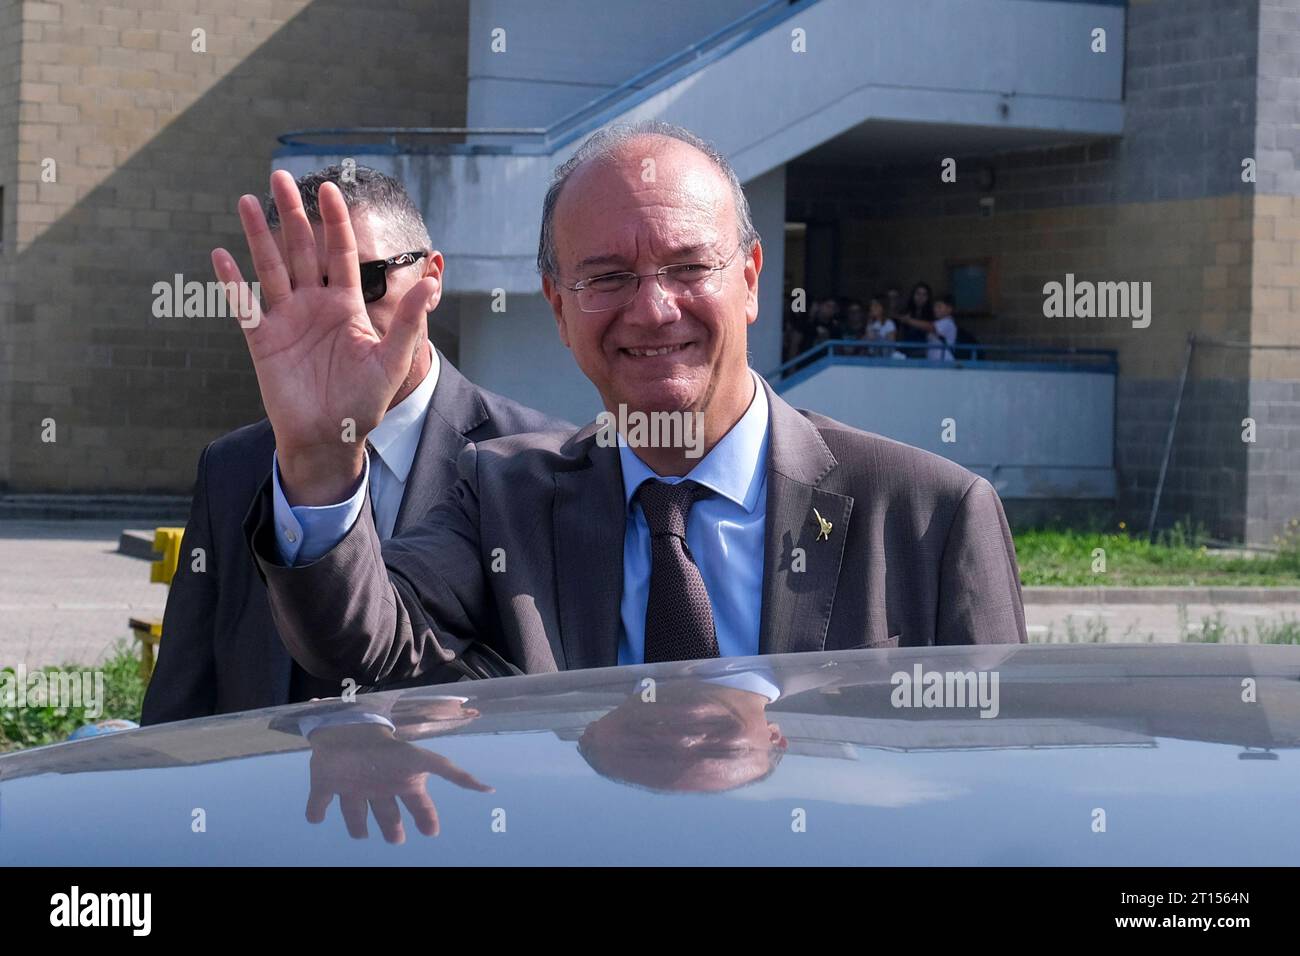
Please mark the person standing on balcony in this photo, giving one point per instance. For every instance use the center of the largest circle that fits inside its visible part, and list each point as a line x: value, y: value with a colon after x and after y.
x: 940, y: 331
x: 854, y: 327
x: 918, y: 309
x: 880, y: 328
x: 894, y: 303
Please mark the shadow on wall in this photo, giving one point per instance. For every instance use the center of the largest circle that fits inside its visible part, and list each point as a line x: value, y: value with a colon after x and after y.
x: 134, y: 398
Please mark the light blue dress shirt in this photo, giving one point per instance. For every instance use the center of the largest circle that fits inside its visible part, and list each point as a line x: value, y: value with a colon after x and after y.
x: 723, y: 531
x: 305, y: 533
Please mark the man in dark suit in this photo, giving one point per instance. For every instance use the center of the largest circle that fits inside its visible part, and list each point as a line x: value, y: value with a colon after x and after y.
x: 220, y: 650
x: 777, y: 531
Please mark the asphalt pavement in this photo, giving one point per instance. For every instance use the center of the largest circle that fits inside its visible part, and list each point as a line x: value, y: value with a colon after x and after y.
x: 66, y: 595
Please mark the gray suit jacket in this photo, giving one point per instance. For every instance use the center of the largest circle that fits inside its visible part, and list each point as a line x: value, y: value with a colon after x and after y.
x: 220, y: 650
x: 526, y: 553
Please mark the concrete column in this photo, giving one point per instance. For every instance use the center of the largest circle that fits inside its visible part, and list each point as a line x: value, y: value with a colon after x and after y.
x: 518, y: 353
x: 767, y: 206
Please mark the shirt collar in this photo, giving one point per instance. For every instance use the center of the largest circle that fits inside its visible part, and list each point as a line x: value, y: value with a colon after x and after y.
x: 397, y: 438
x: 734, y: 468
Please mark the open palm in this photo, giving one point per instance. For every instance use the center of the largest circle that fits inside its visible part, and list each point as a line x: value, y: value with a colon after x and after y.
x: 326, y: 375
x: 366, y: 766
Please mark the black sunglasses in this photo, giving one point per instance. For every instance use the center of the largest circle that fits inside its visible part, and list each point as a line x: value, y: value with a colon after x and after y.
x: 374, y: 275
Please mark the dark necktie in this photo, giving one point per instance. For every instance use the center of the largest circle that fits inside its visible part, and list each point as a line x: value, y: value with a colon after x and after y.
x: 678, y: 616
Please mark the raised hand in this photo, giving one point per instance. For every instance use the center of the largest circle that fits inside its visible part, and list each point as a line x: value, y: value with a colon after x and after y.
x: 320, y: 363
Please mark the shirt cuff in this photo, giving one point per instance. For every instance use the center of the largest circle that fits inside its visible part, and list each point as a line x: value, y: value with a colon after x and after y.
x: 305, y: 533
x: 338, y: 719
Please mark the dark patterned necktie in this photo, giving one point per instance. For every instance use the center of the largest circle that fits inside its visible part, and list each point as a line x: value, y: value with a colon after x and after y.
x: 678, y: 616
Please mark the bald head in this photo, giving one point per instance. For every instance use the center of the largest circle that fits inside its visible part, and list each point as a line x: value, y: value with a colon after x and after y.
x: 640, y: 142
x: 649, y: 181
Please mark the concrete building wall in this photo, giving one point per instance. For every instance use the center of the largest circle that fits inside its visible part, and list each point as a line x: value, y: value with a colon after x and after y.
x: 766, y: 196
x: 11, y: 35
x: 1274, y: 395
x: 1165, y: 203
x: 153, y: 143
x: 1003, y: 425
x: 560, y: 55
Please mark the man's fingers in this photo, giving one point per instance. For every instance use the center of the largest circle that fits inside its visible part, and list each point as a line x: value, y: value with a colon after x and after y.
x: 318, y: 801
x: 389, y: 818
x: 267, y: 261
x: 399, y: 342
x: 295, y: 231
x: 340, y: 243
x: 440, y: 765
x: 423, y: 810
x: 354, y: 815
x: 243, y: 302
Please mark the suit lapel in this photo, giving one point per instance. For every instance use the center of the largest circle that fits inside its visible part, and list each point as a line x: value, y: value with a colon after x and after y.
x: 454, y: 412
x: 801, y: 565
x: 590, y: 524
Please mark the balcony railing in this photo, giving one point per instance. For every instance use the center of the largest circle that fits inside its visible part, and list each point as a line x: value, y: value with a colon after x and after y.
x: 986, y: 357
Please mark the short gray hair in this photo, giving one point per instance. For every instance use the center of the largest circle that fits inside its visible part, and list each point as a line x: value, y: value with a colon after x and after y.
x: 362, y: 188
x: 605, y: 143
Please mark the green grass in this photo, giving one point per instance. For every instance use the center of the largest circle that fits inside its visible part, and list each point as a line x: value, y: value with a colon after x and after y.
x: 1213, y: 630
x: 1178, y: 557
x: 1092, y: 630
x: 32, y: 726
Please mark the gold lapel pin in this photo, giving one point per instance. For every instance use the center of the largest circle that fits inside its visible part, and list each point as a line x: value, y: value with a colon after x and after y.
x: 825, y: 527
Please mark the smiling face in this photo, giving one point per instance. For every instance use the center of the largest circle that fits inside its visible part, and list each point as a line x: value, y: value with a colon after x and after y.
x: 659, y: 352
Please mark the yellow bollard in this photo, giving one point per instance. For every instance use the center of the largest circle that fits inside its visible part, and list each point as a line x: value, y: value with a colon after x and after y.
x: 167, y: 542
x: 148, y: 631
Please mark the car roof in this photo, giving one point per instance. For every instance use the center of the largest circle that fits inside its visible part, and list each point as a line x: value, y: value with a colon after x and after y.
x: 1085, y: 754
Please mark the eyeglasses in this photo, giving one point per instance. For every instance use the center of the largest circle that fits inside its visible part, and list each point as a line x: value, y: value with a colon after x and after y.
x: 374, y: 275
x: 685, y: 280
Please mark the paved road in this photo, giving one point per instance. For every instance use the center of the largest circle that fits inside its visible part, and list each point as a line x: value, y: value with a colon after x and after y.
x: 65, y: 596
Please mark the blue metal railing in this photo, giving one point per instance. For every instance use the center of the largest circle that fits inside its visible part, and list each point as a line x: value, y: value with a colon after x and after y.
x: 586, y: 118
x: 867, y: 352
